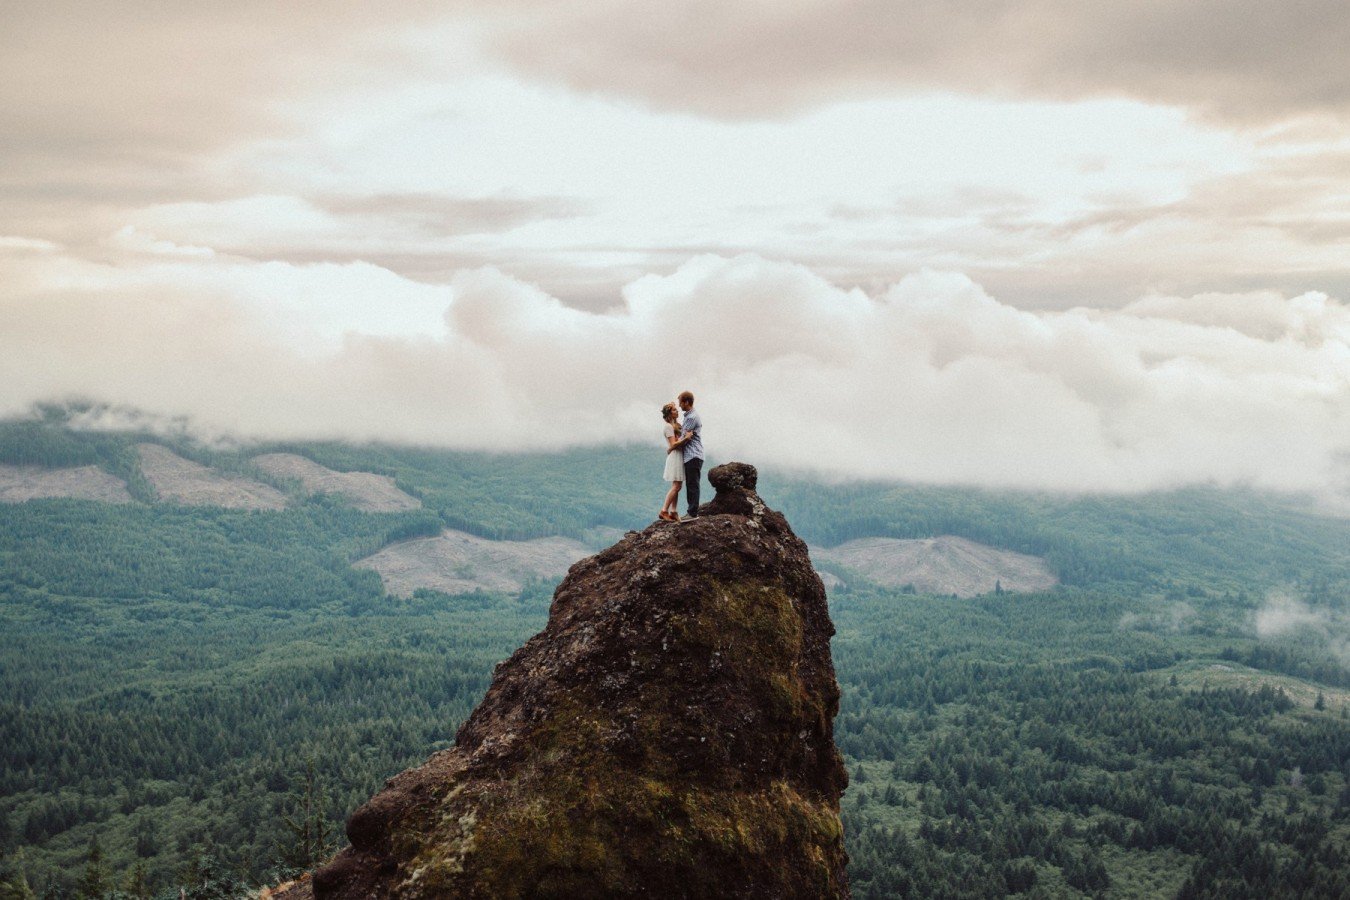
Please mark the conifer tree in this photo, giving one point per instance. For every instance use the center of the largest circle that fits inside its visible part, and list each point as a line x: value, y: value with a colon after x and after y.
x: 93, y: 884
x: 15, y: 885
x: 138, y: 881
x: 309, y: 835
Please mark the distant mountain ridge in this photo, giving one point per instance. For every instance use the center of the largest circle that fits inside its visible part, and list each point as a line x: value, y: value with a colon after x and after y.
x: 1157, y: 539
x: 456, y: 561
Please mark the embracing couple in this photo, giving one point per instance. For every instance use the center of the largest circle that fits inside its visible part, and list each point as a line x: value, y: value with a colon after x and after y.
x: 684, y: 456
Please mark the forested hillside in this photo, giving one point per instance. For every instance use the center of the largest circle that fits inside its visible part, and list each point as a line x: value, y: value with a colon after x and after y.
x: 1172, y: 721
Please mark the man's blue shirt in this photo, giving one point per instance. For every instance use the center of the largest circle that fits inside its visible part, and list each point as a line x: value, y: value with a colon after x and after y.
x: 694, y: 448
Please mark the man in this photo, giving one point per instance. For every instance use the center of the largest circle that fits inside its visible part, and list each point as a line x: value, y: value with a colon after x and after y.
x: 691, y: 440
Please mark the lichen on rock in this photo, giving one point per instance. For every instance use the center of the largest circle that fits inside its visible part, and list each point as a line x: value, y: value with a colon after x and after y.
x: 668, y: 734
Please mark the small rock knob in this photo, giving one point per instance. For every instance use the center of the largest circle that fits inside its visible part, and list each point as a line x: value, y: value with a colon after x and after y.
x: 732, y: 476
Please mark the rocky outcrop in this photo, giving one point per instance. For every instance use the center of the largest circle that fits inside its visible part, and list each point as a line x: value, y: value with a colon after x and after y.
x: 668, y: 734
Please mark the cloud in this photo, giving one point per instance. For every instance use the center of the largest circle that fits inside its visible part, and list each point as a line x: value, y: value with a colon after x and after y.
x: 106, y: 107
x: 191, y: 75
x: 158, y: 80
x: 930, y: 379
x: 1283, y: 616
x: 16, y: 244
x: 439, y: 215
x: 425, y: 235
x: 1176, y: 616
x: 444, y: 136
x: 293, y: 219
x: 132, y: 239
x: 1255, y: 62
x: 1280, y: 224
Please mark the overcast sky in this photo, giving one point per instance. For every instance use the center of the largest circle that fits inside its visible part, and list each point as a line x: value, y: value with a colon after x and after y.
x: 1049, y: 244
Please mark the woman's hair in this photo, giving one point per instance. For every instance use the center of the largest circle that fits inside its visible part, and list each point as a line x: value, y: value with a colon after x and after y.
x: 667, y: 411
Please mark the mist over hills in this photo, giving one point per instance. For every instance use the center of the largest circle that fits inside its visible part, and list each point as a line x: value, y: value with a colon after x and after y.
x: 1231, y: 389
x: 169, y: 666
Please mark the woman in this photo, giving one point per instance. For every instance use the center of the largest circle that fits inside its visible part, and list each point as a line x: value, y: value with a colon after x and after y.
x: 674, y: 463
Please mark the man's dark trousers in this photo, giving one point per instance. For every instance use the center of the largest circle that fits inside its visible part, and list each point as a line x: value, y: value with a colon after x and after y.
x: 693, y: 471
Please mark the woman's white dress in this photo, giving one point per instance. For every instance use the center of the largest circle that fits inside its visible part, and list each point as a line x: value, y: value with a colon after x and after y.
x: 674, y: 460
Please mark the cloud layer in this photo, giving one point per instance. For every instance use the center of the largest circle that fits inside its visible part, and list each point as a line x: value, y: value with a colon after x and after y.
x: 211, y: 70
x: 930, y: 379
x: 1256, y: 61
x: 1052, y: 150
x: 293, y: 219
x: 1284, y: 617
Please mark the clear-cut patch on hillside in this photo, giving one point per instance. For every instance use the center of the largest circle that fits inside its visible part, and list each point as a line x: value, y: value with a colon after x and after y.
x: 179, y: 480
x: 21, y: 483
x: 939, y: 565
x: 364, y: 490
x: 455, y: 562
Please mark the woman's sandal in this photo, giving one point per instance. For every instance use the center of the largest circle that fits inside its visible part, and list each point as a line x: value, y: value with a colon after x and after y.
x: 664, y: 515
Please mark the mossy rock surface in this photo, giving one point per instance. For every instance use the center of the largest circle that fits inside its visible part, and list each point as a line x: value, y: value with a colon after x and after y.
x: 668, y: 734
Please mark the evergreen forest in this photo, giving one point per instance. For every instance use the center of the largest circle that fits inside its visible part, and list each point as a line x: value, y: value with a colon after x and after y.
x: 193, y: 698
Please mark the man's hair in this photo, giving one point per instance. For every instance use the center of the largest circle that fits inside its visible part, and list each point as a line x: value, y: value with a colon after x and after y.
x: 686, y: 397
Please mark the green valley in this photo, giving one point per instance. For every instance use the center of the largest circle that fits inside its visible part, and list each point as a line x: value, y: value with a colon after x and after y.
x: 1169, y: 721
